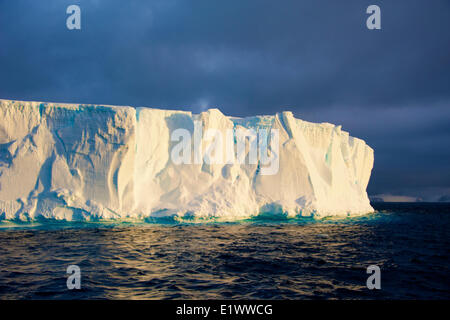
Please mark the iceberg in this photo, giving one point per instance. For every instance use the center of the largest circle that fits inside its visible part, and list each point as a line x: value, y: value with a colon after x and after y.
x: 86, y: 162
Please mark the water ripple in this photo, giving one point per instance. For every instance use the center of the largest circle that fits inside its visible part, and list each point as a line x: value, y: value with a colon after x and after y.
x: 246, y: 260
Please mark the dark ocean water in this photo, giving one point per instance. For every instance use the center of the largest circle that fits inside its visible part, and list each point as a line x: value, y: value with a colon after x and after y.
x: 256, y: 259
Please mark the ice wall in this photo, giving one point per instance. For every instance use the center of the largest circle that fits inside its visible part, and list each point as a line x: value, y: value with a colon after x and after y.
x: 82, y: 162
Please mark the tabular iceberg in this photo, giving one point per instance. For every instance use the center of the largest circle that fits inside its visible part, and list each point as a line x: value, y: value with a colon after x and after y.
x: 84, y: 162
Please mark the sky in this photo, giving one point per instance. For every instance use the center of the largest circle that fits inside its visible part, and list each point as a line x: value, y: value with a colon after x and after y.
x: 390, y: 87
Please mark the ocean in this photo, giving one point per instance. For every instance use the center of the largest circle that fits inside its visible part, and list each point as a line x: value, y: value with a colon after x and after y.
x: 252, y: 259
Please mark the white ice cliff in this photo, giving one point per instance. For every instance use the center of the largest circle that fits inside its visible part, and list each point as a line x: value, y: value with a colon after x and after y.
x: 83, y: 162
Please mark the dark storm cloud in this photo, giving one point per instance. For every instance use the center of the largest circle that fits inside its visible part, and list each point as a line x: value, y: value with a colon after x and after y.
x: 316, y: 58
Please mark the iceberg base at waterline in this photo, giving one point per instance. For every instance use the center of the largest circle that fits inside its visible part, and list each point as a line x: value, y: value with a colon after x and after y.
x: 84, y: 162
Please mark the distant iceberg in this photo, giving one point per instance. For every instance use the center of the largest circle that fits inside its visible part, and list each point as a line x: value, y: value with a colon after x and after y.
x: 393, y: 198
x: 85, y: 162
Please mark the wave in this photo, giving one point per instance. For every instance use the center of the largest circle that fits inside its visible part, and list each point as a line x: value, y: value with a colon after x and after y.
x: 50, y: 223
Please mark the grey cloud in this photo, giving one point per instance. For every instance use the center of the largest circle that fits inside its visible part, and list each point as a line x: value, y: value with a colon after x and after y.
x: 316, y: 58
